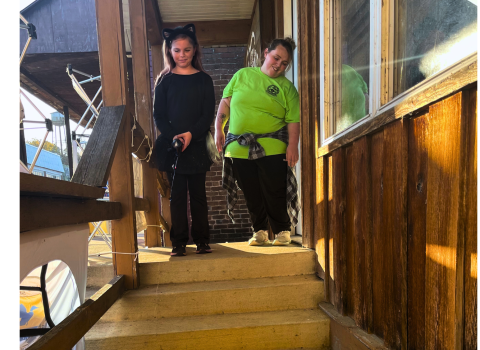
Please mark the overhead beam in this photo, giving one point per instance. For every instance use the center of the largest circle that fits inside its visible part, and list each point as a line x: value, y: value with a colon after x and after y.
x: 39, y: 90
x: 43, y: 212
x: 232, y: 32
x: 67, y: 333
x: 154, y: 22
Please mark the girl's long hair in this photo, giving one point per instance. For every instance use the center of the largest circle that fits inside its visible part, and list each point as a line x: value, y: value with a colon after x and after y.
x: 170, y: 63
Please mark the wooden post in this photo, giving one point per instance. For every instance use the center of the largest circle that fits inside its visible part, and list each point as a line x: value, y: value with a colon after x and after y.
x: 143, y: 111
x: 157, y: 62
x: 113, y: 68
x: 68, y: 137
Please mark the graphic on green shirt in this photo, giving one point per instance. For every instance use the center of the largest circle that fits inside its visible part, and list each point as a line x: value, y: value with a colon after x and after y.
x: 259, y: 105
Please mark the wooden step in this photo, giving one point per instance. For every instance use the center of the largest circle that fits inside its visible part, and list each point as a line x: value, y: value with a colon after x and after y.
x: 221, y: 297
x: 229, y: 261
x: 290, y: 329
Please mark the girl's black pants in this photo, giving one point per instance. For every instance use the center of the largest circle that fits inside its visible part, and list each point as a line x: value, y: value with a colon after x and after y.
x: 264, y: 185
x: 195, y: 185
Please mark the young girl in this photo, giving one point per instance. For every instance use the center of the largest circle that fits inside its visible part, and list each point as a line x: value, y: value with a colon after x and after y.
x: 184, y: 108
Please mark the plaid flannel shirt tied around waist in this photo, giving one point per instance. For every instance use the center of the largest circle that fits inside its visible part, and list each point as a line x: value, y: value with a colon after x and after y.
x: 256, y: 151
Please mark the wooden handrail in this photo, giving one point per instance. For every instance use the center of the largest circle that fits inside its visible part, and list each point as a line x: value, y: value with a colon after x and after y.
x: 68, y: 332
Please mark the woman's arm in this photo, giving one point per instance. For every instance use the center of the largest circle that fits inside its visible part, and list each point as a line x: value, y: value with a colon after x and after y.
x: 292, y: 149
x: 160, y: 113
x: 223, y: 114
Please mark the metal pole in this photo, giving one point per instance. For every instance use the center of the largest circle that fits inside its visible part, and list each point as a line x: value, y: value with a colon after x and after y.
x: 33, y: 104
x: 68, y: 139
x: 25, y: 50
x: 38, y: 153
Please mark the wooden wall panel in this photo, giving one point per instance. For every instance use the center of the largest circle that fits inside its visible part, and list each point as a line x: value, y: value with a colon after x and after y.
x: 417, y: 212
x: 378, y: 235
x: 331, y: 233
x: 338, y: 225
x: 363, y: 234
x: 321, y: 224
x: 395, y: 230
x: 470, y: 102
x: 443, y: 192
x: 351, y: 292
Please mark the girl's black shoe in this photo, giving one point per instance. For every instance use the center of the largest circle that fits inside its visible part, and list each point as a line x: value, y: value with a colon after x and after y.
x: 203, y: 248
x: 178, y: 251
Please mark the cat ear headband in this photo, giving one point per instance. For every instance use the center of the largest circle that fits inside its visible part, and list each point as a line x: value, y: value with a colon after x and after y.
x: 170, y: 34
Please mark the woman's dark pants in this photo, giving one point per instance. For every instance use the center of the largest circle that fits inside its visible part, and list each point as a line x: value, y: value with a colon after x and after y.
x: 195, y: 185
x: 264, y: 185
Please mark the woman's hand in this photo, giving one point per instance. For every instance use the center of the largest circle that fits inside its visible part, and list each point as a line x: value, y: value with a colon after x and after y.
x: 292, y: 155
x: 186, y: 137
x: 219, y: 140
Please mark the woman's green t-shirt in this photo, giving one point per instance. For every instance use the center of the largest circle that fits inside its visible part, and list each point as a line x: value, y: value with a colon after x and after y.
x: 259, y: 105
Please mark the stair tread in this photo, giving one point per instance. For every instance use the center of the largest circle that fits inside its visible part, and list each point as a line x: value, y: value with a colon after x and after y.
x: 220, y: 251
x: 192, y: 287
x: 159, y: 326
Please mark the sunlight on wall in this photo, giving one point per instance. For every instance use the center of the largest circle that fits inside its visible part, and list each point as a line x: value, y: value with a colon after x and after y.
x: 445, y: 256
x: 473, y: 265
x: 330, y: 243
x: 321, y: 249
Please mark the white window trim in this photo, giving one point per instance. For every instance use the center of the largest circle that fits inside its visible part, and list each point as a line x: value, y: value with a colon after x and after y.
x: 375, y: 76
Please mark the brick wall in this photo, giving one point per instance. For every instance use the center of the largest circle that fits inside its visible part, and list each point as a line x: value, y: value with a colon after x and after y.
x: 221, y: 63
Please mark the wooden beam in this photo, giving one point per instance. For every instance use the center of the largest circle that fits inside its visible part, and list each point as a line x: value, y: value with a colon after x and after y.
x: 34, y: 185
x: 113, y: 68
x: 162, y: 185
x: 140, y: 143
x: 142, y: 204
x: 42, y: 212
x: 94, y: 167
x: 39, y: 90
x: 67, y: 333
x: 414, y: 102
x: 144, y: 111
x: 154, y: 22
x: 232, y: 32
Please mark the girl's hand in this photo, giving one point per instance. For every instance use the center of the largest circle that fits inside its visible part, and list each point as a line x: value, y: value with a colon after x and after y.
x: 186, y: 137
x: 219, y: 140
x: 292, y: 155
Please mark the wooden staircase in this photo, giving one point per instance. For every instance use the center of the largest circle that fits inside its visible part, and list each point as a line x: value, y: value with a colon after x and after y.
x: 238, y: 297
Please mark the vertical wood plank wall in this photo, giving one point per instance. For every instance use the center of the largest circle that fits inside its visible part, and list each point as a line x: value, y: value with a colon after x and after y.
x: 395, y: 228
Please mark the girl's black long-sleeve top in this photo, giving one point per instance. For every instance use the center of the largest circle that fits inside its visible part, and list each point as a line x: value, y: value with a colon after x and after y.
x: 184, y: 103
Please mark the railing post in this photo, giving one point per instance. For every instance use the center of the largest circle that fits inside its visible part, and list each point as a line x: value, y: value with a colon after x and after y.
x: 113, y: 69
x: 143, y: 111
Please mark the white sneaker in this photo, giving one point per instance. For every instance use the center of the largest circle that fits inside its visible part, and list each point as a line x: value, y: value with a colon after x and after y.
x: 259, y: 238
x: 283, y: 238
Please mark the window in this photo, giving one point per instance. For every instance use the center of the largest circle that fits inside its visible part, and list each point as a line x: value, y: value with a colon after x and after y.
x: 429, y: 36
x: 51, y: 176
x: 38, y: 173
x: 373, y: 51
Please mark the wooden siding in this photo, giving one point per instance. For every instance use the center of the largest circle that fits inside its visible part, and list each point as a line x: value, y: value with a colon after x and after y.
x: 400, y: 208
x: 62, y: 26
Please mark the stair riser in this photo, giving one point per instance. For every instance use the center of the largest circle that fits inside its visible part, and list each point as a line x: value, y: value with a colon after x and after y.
x: 255, y: 266
x: 286, y: 297
x: 313, y: 335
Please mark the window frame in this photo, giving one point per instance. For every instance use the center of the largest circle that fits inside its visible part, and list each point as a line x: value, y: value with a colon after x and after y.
x: 382, y: 38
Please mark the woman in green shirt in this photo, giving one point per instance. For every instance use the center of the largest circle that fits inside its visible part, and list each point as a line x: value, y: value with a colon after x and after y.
x: 263, y: 108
